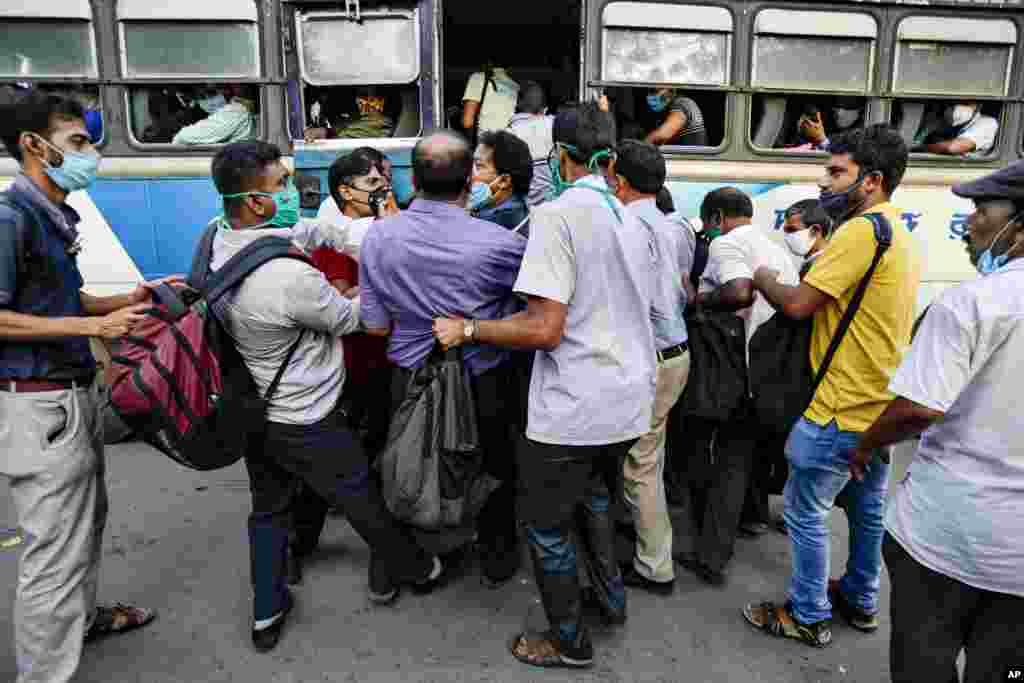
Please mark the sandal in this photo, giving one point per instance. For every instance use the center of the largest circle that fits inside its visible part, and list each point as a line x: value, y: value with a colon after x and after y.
x: 780, y: 622
x: 118, y: 618
x: 544, y: 649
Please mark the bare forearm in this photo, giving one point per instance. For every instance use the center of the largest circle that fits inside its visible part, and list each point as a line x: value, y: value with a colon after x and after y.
x: 521, y: 331
x: 25, y: 327
x: 729, y: 297
x: 901, y: 421
x: 102, y: 305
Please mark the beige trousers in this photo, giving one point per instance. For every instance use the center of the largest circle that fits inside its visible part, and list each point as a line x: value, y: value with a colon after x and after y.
x: 644, y: 477
x: 51, y: 451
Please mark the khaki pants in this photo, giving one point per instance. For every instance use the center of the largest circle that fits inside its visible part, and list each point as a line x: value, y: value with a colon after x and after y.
x: 51, y: 451
x: 644, y: 477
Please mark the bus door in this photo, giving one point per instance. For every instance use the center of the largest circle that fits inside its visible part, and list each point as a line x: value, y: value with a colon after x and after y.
x: 361, y: 76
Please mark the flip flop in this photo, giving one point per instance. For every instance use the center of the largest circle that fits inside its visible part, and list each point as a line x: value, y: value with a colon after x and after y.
x: 118, y: 618
x: 778, y: 621
x: 543, y: 649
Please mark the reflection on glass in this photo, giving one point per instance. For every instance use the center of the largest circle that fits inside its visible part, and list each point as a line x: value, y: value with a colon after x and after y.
x: 218, y: 48
x: 11, y: 538
x: 46, y: 48
x: 806, y: 63
x: 952, y: 68
x: 665, y: 56
x: 342, y: 52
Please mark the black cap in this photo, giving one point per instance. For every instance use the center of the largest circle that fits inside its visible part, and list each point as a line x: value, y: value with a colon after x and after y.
x: 1006, y: 183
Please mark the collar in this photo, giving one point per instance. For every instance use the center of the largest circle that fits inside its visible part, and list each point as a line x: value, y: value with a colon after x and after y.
x: 63, y: 216
x: 434, y: 207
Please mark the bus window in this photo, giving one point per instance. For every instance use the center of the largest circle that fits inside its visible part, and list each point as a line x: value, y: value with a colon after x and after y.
x: 796, y: 52
x: 213, y: 45
x: 360, y: 78
x: 663, y: 49
x: 963, y: 58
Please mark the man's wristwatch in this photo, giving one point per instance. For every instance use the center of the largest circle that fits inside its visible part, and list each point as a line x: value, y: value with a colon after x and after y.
x: 469, y: 330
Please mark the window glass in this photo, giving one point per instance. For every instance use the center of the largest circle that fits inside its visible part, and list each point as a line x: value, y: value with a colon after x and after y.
x: 632, y: 55
x: 812, y: 63
x: 220, y: 49
x: 200, y: 114
x: 804, y: 123
x: 47, y: 48
x: 379, y: 49
x: 934, y: 67
x: 365, y: 111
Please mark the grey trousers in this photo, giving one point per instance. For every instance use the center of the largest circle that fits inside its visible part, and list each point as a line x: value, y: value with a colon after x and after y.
x: 51, y: 451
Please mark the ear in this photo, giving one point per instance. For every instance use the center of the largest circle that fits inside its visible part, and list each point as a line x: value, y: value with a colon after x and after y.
x: 873, y: 182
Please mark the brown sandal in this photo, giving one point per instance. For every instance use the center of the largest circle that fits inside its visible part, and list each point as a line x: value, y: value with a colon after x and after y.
x: 544, y: 649
x: 778, y: 621
x: 118, y: 618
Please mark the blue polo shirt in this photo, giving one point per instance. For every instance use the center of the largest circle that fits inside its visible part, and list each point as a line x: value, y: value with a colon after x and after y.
x: 39, y: 277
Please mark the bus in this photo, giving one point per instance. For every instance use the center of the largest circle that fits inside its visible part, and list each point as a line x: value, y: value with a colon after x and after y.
x: 310, y: 72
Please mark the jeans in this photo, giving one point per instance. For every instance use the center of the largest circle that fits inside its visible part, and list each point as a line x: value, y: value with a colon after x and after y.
x: 819, y: 475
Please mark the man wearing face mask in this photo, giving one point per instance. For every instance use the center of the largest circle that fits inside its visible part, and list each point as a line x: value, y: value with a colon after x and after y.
x: 962, y: 130
x: 953, y: 527
x: 865, y: 167
x: 673, y: 119
x: 846, y: 113
x: 51, y: 436
x: 806, y: 231
x: 231, y: 122
x: 283, y: 303
x: 502, y: 172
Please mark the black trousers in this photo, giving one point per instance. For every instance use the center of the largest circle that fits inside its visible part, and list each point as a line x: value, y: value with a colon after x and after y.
x: 326, y: 459
x: 935, y: 616
x: 767, y: 477
x: 714, y: 486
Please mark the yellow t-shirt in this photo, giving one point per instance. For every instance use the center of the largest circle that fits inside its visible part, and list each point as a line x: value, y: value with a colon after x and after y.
x: 855, y: 389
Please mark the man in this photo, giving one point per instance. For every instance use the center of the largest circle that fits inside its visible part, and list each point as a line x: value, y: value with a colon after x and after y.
x: 724, y: 451
x: 865, y: 167
x: 674, y: 119
x: 283, y: 303
x: 502, y: 173
x: 953, y: 545
x: 639, y: 170
x: 846, y: 113
x: 806, y: 231
x: 961, y: 130
x: 532, y: 124
x: 587, y: 279
x: 233, y: 122
x: 432, y: 260
x: 51, y: 435
x: 489, y: 101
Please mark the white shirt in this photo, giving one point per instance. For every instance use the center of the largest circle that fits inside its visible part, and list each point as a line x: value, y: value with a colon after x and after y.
x: 500, y: 103
x: 331, y: 213
x: 739, y: 254
x: 960, y: 507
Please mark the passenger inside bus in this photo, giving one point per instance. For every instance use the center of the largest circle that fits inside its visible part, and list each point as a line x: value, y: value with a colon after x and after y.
x: 669, y: 116
x: 346, y: 112
x: 205, y: 114
x: 489, y: 101
x: 956, y: 128
x: 803, y: 123
x: 232, y: 121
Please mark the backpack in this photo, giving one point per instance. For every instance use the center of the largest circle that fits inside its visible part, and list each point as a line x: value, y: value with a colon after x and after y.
x: 701, y: 252
x: 181, y: 384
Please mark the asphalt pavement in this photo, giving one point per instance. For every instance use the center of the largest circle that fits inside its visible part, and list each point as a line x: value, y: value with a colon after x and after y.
x: 176, y: 540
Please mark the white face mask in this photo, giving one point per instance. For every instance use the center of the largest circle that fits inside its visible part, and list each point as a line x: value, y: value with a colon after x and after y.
x: 959, y: 114
x: 845, y: 117
x: 799, y: 242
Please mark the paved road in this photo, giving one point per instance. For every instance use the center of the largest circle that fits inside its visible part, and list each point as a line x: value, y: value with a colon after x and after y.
x: 176, y: 541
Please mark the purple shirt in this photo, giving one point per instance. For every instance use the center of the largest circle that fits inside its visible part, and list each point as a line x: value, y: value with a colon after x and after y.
x: 435, y: 260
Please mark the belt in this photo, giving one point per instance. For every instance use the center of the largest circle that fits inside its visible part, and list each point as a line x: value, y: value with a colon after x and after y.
x: 28, y: 386
x: 673, y: 352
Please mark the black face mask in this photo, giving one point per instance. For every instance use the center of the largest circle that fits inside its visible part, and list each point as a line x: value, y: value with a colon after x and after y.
x: 374, y: 199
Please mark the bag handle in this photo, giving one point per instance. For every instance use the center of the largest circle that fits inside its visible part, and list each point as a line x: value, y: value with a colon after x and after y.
x: 280, y: 371
x: 883, y: 237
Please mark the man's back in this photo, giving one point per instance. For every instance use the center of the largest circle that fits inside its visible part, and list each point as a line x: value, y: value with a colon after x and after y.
x: 854, y: 391
x: 597, y: 386
x: 435, y: 260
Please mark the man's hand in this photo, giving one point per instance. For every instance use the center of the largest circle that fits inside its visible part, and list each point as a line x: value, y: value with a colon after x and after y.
x: 314, y: 134
x: 859, y: 460
x: 144, y: 291
x: 813, y: 129
x: 389, y: 207
x: 765, y: 274
x: 450, y: 332
x: 119, y: 323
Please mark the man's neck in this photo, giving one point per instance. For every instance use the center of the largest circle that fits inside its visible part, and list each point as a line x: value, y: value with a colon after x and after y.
x: 740, y: 222
x: 634, y: 197
x: 871, y: 202
x: 350, y: 212
x: 49, y: 188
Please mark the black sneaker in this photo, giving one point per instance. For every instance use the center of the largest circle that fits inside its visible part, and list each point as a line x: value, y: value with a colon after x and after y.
x: 383, y: 588
x: 854, y: 616
x: 499, y: 561
x: 710, y: 576
x: 433, y: 579
x: 266, y: 639
x: 294, y: 569
x: 631, y: 577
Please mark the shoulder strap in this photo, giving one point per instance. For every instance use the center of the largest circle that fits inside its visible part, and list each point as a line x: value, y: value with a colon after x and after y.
x: 883, y: 239
x: 488, y: 80
x: 280, y: 371
x: 251, y: 257
x: 200, y: 268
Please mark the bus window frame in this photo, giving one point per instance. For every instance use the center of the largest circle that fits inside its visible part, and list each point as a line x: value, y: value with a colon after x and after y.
x: 872, y: 110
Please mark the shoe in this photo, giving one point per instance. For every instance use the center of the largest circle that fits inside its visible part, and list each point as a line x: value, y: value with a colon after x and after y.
x: 710, y: 576
x: 499, y: 561
x: 631, y: 577
x: 778, y: 621
x: 294, y: 569
x: 854, y: 616
x: 434, y: 579
x: 117, y: 618
x: 266, y: 639
x: 753, y: 529
x: 383, y: 588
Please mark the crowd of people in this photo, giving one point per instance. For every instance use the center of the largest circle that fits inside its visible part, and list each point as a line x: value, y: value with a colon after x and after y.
x: 579, y: 303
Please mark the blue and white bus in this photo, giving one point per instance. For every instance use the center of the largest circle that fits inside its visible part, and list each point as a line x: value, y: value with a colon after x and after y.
x: 148, y: 69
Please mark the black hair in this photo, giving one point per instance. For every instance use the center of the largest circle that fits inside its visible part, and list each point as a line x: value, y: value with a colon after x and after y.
x: 642, y: 164
x: 875, y: 149
x: 730, y: 201
x: 512, y: 157
x: 812, y: 213
x: 347, y: 168
x: 376, y: 155
x: 35, y: 112
x: 663, y: 200
x: 588, y: 129
x: 442, y: 164
x: 237, y: 166
x: 532, y: 99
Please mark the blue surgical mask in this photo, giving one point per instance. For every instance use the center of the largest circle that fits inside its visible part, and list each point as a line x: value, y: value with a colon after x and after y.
x: 837, y: 204
x: 656, y: 103
x: 76, y: 172
x: 212, y: 104
x: 480, y: 195
x: 286, y: 202
x: 987, y: 263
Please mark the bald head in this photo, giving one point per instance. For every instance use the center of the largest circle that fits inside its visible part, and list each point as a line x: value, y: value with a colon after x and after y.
x: 442, y: 164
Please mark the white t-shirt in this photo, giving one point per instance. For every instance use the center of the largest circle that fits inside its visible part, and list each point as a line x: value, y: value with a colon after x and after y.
x: 982, y: 133
x: 960, y: 507
x: 597, y: 386
x: 331, y: 213
x: 500, y: 103
x: 739, y: 254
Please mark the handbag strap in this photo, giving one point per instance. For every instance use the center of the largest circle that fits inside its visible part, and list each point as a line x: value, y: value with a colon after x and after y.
x: 280, y: 371
x: 883, y: 238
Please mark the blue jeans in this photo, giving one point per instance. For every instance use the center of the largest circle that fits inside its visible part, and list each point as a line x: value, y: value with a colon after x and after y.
x: 819, y: 477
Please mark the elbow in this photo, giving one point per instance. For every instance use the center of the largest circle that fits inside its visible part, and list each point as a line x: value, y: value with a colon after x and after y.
x: 550, y: 337
x: 796, y: 310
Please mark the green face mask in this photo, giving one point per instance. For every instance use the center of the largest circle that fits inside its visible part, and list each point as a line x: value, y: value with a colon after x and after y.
x: 555, y: 166
x: 286, y: 202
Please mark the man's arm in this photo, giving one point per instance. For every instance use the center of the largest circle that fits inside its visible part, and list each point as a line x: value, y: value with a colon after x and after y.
x: 953, y: 147
x: 732, y: 296
x: 312, y: 302
x: 32, y: 327
x: 668, y: 130
x: 539, y: 327
x: 143, y: 292
x: 798, y: 303
x: 340, y: 233
x: 376, y: 319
